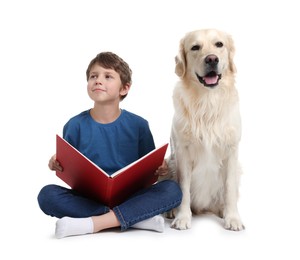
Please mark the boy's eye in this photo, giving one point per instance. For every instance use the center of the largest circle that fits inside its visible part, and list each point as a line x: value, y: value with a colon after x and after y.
x: 93, y: 76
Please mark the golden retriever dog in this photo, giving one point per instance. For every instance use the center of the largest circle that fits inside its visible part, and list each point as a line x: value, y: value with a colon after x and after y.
x: 206, y: 129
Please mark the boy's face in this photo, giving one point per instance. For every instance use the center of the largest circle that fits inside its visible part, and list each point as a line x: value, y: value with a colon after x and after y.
x: 104, y: 85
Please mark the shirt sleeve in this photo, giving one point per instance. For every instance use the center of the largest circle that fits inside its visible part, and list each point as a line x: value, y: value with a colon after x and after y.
x: 70, y: 133
x: 146, y: 142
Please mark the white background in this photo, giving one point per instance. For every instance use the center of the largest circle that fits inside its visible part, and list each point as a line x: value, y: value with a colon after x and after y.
x: 45, y: 48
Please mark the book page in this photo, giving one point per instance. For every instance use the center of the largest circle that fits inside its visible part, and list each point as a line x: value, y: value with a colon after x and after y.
x: 161, y: 149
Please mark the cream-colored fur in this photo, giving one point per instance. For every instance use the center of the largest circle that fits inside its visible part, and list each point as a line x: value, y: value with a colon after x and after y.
x: 206, y: 129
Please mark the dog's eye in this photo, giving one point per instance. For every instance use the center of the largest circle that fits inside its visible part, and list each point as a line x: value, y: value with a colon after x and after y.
x: 195, y: 48
x: 219, y: 44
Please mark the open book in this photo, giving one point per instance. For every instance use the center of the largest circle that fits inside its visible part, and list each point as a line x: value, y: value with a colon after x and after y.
x: 84, y: 176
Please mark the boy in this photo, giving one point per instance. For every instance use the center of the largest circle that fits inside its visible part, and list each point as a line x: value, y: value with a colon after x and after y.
x: 112, y: 138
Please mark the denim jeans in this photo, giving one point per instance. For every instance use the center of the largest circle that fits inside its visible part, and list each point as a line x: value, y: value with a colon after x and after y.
x: 161, y: 197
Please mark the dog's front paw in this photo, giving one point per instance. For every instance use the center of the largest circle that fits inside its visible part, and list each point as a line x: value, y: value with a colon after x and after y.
x: 182, y: 222
x: 234, y: 224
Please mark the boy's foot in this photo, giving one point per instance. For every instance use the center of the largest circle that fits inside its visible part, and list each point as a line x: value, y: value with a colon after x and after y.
x: 67, y: 226
x: 157, y: 223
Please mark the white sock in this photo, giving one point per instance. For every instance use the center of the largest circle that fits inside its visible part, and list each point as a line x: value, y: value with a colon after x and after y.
x: 67, y: 226
x: 157, y: 223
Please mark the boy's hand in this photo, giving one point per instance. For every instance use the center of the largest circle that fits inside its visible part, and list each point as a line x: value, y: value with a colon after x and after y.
x: 163, y: 169
x: 54, y: 164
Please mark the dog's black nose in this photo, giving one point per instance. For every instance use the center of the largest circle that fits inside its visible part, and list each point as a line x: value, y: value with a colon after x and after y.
x: 212, y: 60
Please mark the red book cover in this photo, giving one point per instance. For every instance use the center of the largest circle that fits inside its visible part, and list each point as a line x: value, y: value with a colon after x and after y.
x: 84, y: 176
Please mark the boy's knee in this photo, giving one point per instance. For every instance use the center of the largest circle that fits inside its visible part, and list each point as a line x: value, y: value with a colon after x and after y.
x: 172, y: 187
x: 44, y: 196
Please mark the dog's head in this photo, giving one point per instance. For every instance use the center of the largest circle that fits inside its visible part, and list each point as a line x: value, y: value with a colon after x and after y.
x: 205, y: 56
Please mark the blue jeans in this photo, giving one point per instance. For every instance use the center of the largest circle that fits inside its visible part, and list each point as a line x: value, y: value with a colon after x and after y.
x: 161, y: 197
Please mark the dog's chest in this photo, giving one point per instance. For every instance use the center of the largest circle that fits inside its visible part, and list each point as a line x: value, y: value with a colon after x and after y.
x: 210, y: 117
x: 209, y: 136
x: 212, y: 128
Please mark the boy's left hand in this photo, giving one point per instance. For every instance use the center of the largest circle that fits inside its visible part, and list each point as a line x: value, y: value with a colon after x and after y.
x: 163, y: 169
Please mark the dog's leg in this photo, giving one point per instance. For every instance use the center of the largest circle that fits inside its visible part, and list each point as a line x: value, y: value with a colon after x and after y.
x: 231, y: 214
x: 183, y: 216
x: 171, y: 162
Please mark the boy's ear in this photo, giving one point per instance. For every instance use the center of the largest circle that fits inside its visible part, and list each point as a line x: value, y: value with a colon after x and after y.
x: 124, y: 90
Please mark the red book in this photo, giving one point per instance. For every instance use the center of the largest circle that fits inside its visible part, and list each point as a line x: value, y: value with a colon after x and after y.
x: 84, y: 176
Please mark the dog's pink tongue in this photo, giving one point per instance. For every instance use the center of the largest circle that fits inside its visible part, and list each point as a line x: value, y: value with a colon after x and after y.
x: 211, y: 80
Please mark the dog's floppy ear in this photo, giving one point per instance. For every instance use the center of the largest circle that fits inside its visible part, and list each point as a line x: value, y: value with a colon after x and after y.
x: 231, y: 52
x: 180, y: 60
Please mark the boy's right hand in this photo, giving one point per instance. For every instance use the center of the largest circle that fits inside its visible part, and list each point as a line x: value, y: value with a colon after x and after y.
x: 54, y: 164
